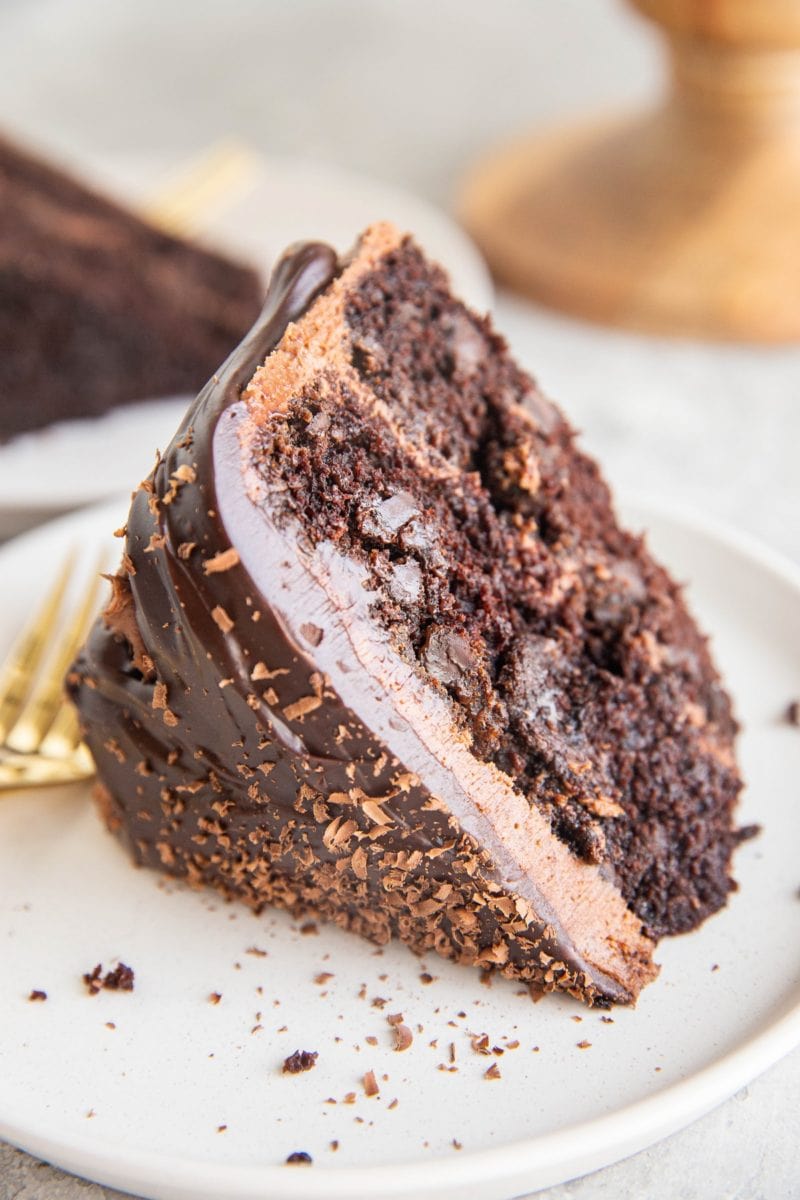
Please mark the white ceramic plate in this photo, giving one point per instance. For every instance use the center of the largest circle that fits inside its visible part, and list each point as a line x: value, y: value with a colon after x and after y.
x: 184, y: 1098
x: 78, y: 462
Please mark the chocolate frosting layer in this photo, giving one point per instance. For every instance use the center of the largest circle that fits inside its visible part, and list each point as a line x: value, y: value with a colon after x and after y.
x: 253, y: 729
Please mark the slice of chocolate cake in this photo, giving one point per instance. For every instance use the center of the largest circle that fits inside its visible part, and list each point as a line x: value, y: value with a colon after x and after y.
x: 98, y: 308
x: 378, y: 649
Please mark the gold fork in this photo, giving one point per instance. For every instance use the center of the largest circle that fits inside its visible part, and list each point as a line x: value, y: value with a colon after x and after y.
x: 40, y: 742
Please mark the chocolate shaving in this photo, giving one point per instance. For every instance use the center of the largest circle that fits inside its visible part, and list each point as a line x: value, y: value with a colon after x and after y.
x: 223, y: 561
x: 221, y: 618
x: 403, y: 1037
x: 370, y: 1083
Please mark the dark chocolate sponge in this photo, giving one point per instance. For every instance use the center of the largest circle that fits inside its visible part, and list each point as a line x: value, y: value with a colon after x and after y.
x: 98, y: 308
x: 378, y: 649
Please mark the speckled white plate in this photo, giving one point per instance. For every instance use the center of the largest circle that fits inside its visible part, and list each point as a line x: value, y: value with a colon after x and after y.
x: 163, y: 1093
x: 280, y: 201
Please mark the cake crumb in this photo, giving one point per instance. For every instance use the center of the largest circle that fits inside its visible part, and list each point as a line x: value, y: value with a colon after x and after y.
x: 119, y: 979
x: 309, y: 929
x: 370, y: 1083
x: 221, y: 1128
x: 426, y: 977
x: 334, y: 1145
x: 37, y: 994
x: 301, y: 1060
x: 584, y: 1045
x: 457, y: 1144
x: 793, y: 713
x: 214, y: 997
x: 300, y: 1156
x: 492, y: 1072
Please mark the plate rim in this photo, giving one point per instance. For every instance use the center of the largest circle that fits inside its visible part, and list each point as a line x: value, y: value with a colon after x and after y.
x: 586, y: 1146
x: 648, y: 1123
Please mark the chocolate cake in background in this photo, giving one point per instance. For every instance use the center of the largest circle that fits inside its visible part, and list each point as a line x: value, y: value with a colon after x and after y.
x: 379, y: 649
x: 98, y: 308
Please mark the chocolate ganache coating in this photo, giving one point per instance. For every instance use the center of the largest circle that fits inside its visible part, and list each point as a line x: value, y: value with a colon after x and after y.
x: 254, y: 731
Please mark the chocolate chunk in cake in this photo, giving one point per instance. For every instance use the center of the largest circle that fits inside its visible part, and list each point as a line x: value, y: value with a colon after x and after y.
x: 99, y: 308
x: 413, y: 677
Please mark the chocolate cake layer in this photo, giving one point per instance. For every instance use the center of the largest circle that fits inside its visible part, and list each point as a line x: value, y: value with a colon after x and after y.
x: 378, y: 649
x: 98, y: 308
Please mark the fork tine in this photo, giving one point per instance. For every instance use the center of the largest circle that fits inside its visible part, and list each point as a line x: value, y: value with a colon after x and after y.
x: 17, y: 672
x: 64, y: 735
x: 224, y: 170
x: 34, y: 770
x: 47, y: 698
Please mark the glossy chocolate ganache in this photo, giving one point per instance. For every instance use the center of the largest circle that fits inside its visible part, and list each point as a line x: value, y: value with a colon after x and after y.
x: 377, y: 649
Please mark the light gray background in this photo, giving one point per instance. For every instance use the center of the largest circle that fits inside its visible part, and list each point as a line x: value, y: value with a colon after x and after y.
x: 410, y: 91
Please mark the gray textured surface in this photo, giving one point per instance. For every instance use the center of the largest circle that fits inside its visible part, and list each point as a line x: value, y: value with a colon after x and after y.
x: 410, y: 92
